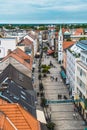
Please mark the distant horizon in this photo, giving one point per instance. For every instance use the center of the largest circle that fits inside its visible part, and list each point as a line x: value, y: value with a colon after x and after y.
x: 42, y: 23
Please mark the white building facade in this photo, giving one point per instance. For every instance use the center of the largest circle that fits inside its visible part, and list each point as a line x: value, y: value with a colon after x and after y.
x: 81, y: 83
x: 34, y: 43
x: 73, y: 54
x: 60, y: 46
x: 7, y: 44
x: 70, y: 72
x: 40, y: 37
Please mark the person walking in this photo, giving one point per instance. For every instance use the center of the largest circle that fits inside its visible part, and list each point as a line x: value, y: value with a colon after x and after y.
x: 56, y: 79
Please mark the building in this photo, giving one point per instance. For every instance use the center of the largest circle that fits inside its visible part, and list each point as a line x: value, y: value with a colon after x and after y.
x: 81, y: 83
x: 14, y: 117
x: 33, y: 38
x: 78, y: 33
x: 18, y: 59
x: 27, y: 46
x: 60, y: 46
x: 40, y: 37
x: 73, y: 54
x: 66, y: 45
x: 7, y: 44
x: 51, y: 36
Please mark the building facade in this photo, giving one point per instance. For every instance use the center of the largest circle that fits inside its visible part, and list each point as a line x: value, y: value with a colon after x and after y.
x: 81, y: 83
x: 7, y: 44
x: 73, y: 54
x: 60, y: 46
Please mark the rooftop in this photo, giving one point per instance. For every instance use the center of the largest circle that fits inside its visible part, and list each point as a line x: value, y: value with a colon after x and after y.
x: 67, y: 44
x: 82, y: 44
x: 21, y: 57
x: 78, y: 31
x: 17, y: 118
x: 18, y: 92
x: 25, y: 41
x: 85, y: 52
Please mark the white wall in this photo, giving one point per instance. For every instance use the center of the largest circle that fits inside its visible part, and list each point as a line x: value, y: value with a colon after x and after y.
x: 15, y: 63
x: 34, y: 43
x: 70, y: 70
x: 5, y: 44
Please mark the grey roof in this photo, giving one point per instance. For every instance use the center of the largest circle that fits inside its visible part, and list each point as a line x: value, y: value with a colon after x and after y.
x: 85, y: 52
x: 82, y: 44
x: 18, y: 91
x: 11, y: 71
x: 17, y: 94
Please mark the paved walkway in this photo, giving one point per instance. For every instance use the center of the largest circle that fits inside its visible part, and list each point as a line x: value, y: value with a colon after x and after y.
x: 61, y: 114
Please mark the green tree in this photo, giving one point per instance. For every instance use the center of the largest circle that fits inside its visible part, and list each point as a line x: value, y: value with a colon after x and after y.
x: 50, y: 125
x: 68, y: 39
x: 82, y: 38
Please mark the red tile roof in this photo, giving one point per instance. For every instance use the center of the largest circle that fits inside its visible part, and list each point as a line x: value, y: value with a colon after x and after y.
x: 20, y: 56
x: 50, y: 52
x: 64, y: 30
x: 51, y: 28
x: 79, y: 31
x: 14, y: 116
x: 25, y: 41
x: 67, y: 44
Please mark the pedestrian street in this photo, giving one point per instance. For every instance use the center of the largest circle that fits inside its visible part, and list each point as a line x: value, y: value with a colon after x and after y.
x: 60, y: 113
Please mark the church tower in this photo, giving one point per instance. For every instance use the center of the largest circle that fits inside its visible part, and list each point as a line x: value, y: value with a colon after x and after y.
x: 60, y: 46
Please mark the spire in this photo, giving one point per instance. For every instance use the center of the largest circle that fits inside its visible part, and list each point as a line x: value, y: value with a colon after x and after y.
x: 60, y: 31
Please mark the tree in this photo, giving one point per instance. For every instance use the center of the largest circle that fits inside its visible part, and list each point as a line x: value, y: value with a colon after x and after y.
x: 50, y: 125
x: 43, y: 102
x: 68, y: 39
x: 82, y: 38
x: 41, y: 88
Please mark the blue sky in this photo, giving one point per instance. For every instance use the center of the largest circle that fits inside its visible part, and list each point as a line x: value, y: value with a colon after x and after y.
x: 43, y: 11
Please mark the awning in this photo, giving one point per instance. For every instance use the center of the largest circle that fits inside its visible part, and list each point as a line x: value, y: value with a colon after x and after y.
x: 41, y: 116
x: 50, y: 52
x: 63, y: 74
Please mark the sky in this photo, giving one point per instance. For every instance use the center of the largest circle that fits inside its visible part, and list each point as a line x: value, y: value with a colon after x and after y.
x: 43, y: 11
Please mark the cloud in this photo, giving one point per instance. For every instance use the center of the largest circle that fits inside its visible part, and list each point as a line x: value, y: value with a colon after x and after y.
x: 38, y: 10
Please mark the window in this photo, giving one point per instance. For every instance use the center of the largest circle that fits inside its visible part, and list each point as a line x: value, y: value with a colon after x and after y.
x: 81, y: 72
x: 20, y: 77
x: 0, y: 50
x: 0, y: 42
x: 86, y: 59
x: 23, y: 93
x: 81, y: 84
x: 23, y: 97
x: 83, y: 58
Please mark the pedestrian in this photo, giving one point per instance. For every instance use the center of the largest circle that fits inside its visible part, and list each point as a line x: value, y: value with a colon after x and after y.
x: 75, y: 109
x: 76, y: 115
x: 53, y: 77
x: 56, y: 79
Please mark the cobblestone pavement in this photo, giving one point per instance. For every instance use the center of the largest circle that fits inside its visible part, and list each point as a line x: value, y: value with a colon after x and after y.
x: 61, y: 114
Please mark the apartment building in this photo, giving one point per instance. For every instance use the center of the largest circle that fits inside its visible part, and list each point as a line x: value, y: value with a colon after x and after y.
x: 7, y: 44
x: 73, y: 54
x: 81, y: 83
